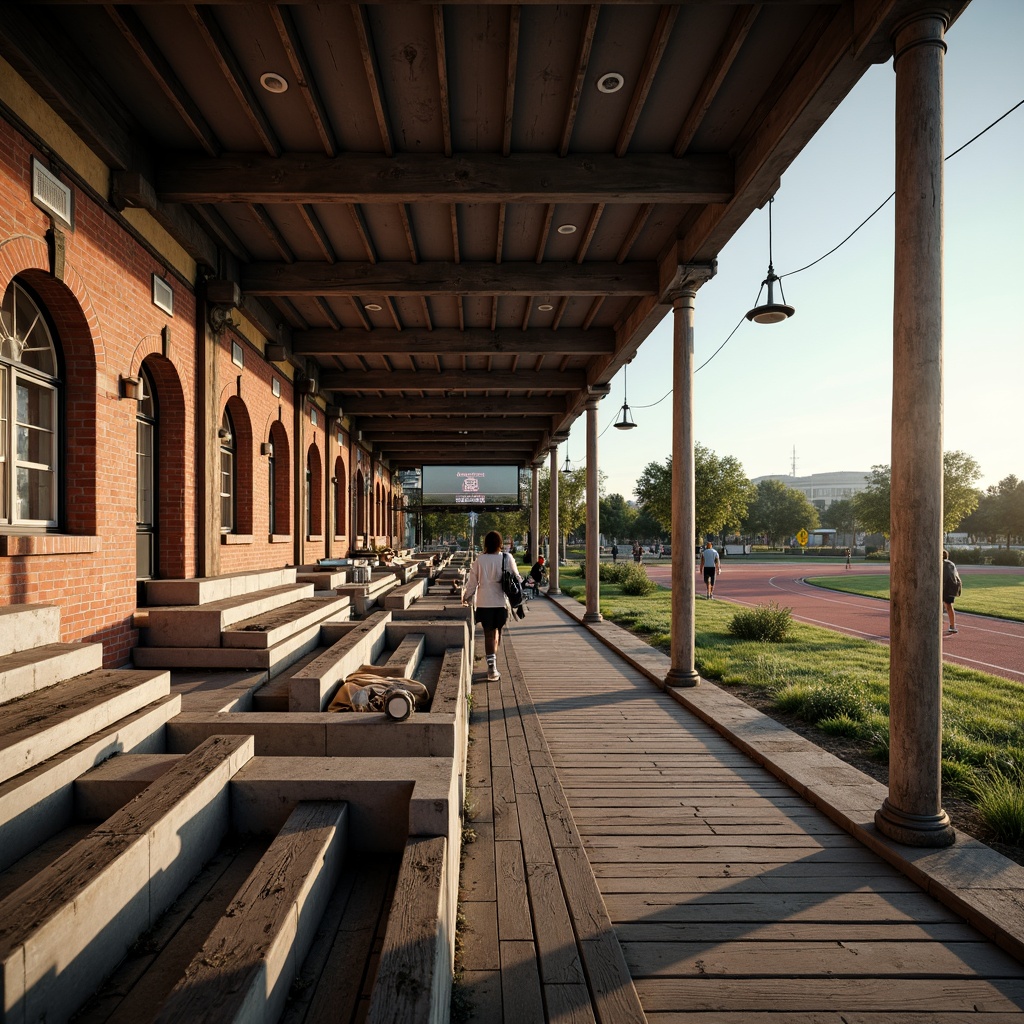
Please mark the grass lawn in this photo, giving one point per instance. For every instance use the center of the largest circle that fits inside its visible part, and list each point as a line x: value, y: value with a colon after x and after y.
x: 840, y: 685
x: 1000, y: 594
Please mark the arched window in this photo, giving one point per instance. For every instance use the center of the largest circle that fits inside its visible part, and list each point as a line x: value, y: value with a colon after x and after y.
x: 227, y: 474
x: 29, y: 413
x: 314, y: 492
x: 145, y: 480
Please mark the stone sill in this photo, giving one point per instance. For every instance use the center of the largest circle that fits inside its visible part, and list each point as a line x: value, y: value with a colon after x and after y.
x: 315, y: 538
x: 280, y: 538
x: 236, y: 538
x: 15, y: 544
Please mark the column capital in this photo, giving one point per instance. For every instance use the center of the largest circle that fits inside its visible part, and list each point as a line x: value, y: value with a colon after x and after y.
x: 595, y: 392
x: 925, y: 26
x: 685, y: 278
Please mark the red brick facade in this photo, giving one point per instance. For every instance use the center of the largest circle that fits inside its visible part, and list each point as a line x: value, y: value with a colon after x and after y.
x: 107, y: 327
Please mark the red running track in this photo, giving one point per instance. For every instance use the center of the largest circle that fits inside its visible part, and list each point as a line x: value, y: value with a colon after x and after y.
x: 988, y: 644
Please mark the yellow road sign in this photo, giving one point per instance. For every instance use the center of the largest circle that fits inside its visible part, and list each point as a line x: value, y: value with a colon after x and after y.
x: 801, y: 538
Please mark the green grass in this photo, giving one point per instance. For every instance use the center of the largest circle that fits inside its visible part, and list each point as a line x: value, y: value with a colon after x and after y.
x: 842, y: 684
x: 999, y: 594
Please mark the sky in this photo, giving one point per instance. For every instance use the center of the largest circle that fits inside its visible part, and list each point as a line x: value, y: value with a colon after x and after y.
x: 820, y: 383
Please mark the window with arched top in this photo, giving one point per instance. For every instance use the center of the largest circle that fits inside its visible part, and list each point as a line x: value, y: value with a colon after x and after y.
x: 228, y: 471
x: 145, y: 479
x: 30, y: 395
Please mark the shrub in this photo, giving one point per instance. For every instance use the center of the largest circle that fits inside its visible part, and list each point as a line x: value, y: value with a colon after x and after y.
x: 877, y: 556
x: 767, y: 622
x: 636, y: 582
x: 835, y: 698
x: 841, y: 725
x: 1000, y: 799
x: 613, y: 572
x: 1004, y: 556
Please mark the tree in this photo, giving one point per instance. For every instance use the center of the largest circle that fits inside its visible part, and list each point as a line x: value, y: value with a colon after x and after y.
x: 841, y: 517
x: 779, y: 511
x: 722, y: 491
x: 960, y: 472
x: 572, y: 499
x: 616, y: 517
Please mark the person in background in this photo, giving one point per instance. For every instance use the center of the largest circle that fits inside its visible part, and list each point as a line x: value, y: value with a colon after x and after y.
x: 951, y: 589
x: 491, y: 612
x: 709, y: 559
x: 615, y: 552
x: 535, y: 577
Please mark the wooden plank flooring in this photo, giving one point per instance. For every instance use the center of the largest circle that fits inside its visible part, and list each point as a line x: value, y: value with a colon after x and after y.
x: 599, y: 799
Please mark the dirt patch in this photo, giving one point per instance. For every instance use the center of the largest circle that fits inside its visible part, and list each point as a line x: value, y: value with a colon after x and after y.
x: 964, y: 815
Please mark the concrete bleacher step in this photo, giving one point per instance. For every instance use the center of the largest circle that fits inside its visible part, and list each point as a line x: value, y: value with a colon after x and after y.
x: 273, y: 695
x: 271, y: 661
x: 23, y: 626
x: 202, y: 625
x: 269, y: 628
x: 64, y: 930
x: 206, y: 589
x: 23, y: 672
x: 214, y: 690
x: 39, y: 725
x: 39, y: 802
x: 247, y: 964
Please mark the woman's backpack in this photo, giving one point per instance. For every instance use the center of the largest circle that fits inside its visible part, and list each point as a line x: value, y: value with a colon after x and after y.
x: 511, y: 584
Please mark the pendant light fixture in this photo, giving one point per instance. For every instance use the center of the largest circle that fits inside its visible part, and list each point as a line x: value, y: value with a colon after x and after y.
x: 567, y: 468
x: 625, y: 420
x: 771, y: 312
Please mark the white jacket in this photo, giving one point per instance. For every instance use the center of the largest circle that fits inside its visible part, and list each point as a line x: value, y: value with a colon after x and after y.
x: 485, y: 578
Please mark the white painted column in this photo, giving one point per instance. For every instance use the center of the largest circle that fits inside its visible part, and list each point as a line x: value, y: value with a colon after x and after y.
x: 682, y: 645
x: 593, y: 551
x: 912, y: 813
x: 553, y: 536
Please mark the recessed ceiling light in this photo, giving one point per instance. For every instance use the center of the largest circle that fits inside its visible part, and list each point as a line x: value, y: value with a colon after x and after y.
x: 373, y: 307
x: 610, y: 81
x: 545, y: 307
x: 567, y: 229
x: 273, y: 82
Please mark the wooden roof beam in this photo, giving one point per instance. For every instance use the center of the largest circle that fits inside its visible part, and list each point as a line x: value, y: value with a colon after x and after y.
x: 474, y: 405
x: 464, y: 178
x: 539, y: 341
x: 454, y: 380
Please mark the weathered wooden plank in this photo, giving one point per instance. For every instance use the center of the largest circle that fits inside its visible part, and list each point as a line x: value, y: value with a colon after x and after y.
x: 520, y: 984
x: 476, y: 881
x: 556, y: 943
x: 561, y: 826
x: 683, y: 886
x: 533, y: 830
x: 568, y: 1004
x: 481, y: 990
x: 514, y: 919
x: 480, y: 950
x: 731, y: 854
x: 714, y: 932
x: 506, y: 813
x: 827, y: 958
x: 911, y: 995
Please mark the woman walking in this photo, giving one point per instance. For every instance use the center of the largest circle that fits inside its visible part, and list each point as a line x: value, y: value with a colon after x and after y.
x: 484, y: 579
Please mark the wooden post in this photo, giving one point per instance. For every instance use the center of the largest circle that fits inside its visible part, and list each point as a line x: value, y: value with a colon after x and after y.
x: 553, y: 535
x: 534, y: 510
x: 913, y: 813
x: 683, y: 293
x: 593, y: 551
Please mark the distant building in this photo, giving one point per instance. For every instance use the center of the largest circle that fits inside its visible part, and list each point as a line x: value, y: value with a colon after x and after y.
x: 821, y: 489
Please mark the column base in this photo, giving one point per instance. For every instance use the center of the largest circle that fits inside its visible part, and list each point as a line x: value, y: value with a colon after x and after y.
x: 682, y: 677
x: 553, y: 592
x: 914, y: 829
x: 593, y: 617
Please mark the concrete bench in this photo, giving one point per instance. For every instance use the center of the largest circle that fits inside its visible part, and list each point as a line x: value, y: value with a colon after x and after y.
x: 418, y: 940
x: 366, y: 595
x: 207, y: 589
x: 39, y: 803
x: 263, y: 631
x: 245, y: 968
x: 65, y: 929
x: 26, y: 671
x: 44, y: 723
x: 405, y: 594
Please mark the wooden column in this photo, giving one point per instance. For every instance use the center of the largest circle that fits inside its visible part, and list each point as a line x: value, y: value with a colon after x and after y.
x: 553, y: 527
x: 593, y: 550
x: 913, y: 812
x: 534, y: 510
x: 683, y: 294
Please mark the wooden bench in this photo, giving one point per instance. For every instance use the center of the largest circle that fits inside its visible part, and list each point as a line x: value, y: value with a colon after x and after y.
x: 245, y: 968
x: 66, y: 928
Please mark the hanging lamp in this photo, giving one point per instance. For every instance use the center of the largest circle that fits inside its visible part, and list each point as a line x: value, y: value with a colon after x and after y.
x: 771, y: 312
x: 625, y: 420
x: 567, y: 468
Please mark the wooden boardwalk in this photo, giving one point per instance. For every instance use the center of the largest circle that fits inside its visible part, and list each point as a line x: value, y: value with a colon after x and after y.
x: 633, y: 864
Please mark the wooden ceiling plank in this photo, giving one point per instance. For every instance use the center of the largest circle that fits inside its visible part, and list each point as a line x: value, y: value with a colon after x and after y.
x: 152, y: 59
x: 510, y: 78
x: 500, y: 243
x: 359, y: 223
x: 586, y: 46
x: 636, y: 227
x: 427, y: 319
x: 328, y: 314
x: 739, y: 28
x: 410, y: 235
x: 477, y: 405
x: 360, y: 313
x: 316, y: 229
x: 545, y: 233
x: 442, y: 78
x: 368, y: 53
x: 303, y: 75
x: 211, y: 219
x: 453, y: 214
x: 224, y: 57
x: 455, y: 380
x: 396, y: 279
x: 527, y: 311
x: 392, y: 311
x: 273, y: 233
x: 524, y: 425
x: 431, y: 177
x: 655, y: 51
x: 589, y: 230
